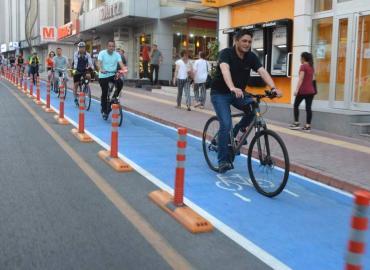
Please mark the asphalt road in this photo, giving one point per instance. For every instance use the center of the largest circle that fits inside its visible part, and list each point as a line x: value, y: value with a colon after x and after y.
x: 61, y: 207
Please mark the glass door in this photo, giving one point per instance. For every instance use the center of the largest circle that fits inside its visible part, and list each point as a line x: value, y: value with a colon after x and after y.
x: 341, y: 62
x: 361, y: 80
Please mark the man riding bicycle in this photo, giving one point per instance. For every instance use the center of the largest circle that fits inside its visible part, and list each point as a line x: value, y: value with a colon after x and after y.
x: 20, y: 62
x: 60, y: 66
x: 107, y: 63
x: 228, y: 88
x: 82, y: 62
x: 34, y: 66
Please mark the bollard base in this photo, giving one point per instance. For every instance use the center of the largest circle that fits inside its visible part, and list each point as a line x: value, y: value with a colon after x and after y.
x: 38, y: 102
x: 82, y: 137
x: 183, y: 214
x: 116, y: 163
x: 31, y: 96
x: 48, y: 110
x: 61, y: 121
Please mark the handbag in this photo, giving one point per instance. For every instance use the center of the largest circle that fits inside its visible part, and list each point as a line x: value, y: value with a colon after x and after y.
x: 314, y: 86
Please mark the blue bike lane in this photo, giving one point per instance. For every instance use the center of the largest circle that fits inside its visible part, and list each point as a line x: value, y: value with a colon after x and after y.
x: 305, y: 227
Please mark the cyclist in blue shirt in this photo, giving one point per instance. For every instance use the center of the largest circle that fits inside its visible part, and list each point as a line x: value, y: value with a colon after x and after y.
x: 107, y: 63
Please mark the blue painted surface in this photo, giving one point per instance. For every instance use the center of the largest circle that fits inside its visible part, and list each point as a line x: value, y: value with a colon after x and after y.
x: 306, y: 232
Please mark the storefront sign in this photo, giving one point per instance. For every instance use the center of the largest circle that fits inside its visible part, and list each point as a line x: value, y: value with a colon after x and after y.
x: 65, y: 31
x: 109, y: 11
x: 13, y: 45
x: 48, y: 33
x: 3, y: 47
x: 69, y: 29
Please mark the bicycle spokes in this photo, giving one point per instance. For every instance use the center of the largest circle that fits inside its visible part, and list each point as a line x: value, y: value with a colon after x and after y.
x: 268, y: 163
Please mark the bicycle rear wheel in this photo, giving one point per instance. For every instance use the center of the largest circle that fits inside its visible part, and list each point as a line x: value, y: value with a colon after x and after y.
x: 268, y: 163
x: 209, y: 142
x: 87, y: 92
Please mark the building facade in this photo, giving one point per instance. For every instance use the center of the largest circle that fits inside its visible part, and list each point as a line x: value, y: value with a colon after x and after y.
x: 337, y: 32
x: 135, y: 25
x: 40, y: 20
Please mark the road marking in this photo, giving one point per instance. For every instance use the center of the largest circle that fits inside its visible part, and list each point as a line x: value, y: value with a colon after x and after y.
x: 242, y: 197
x: 291, y: 193
x: 312, y: 137
x: 163, y: 248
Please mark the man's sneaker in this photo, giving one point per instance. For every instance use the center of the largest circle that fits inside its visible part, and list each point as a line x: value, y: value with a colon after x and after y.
x: 294, y: 126
x: 105, y: 116
x: 224, y: 167
x: 76, y: 102
x: 306, y: 128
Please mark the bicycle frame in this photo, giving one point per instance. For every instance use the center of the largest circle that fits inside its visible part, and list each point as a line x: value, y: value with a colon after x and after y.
x: 256, y: 123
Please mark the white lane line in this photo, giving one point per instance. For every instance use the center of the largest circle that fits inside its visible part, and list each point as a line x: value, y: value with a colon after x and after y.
x: 242, y: 197
x: 291, y: 193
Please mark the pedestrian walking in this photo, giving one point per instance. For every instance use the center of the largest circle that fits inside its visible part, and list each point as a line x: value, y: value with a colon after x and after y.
x: 156, y: 59
x: 305, y: 91
x: 200, y: 71
x: 182, y: 78
x: 146, y: 59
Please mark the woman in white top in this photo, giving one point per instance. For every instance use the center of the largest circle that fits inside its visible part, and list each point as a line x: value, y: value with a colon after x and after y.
x: 181, y: 77
x: 200, y: 71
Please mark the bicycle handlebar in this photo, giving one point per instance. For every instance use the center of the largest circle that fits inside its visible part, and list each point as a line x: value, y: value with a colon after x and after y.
x: 268, y: 94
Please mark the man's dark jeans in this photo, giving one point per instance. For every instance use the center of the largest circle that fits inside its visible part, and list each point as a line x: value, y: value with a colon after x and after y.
x: 222, y: 103
x: 154, y: 69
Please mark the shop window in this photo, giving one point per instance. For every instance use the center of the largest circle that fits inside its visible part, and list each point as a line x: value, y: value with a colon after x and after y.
x: 322, y: 49
x: 362, y: 80
x: 323, y: 5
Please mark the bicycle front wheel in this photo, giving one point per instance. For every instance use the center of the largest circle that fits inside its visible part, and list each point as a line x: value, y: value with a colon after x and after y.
x: 120, y: 119
x: 210, y: 141
x: 87, y: 92
x: 268, y: 163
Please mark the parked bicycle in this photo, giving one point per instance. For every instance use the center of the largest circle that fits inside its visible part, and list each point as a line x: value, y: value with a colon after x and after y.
x: 268, y: 159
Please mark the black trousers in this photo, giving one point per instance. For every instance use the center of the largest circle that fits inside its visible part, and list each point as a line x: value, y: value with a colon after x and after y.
x: 104, y: 84
x: 146, y: 69
x: 308, y: 99
x: 152, y: 69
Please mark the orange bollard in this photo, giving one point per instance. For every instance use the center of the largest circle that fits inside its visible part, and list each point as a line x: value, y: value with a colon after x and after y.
x: 47, y: 107
x: 60, y: 118
x: 25, y: 84
x: 111, y: 157
x: 80, y: 132
x: 20, y: 83
x: 38, y: 98
x: 175, y: 205
x: 180, y: 170
x: 30, y: 95
x: 359, y: 224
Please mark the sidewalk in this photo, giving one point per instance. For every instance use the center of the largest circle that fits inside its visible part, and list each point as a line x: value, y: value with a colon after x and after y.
x: 338, y: 161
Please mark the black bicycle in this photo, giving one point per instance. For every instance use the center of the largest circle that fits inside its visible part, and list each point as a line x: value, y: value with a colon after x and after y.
x: 268, y: 159
x: 84, y: 87
x: 114, y: 100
